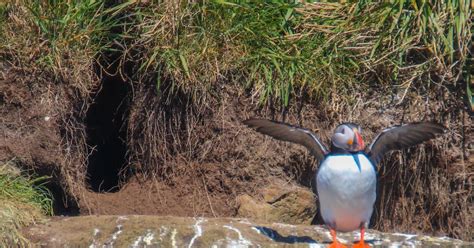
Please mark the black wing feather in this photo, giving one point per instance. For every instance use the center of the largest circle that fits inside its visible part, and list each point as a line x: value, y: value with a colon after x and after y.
x: 285, y: 132
x: 399, y: 137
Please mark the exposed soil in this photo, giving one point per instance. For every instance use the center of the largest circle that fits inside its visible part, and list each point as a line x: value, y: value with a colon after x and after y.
x: 121, y: 149
x: 30, y: 136
x: 155, y: 198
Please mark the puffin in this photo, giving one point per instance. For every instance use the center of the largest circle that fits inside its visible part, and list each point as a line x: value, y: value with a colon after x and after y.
x: 346, y: 178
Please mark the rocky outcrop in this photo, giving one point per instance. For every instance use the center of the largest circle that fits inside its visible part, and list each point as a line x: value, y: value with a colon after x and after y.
x: 279, y: 203
x: 155, y: 231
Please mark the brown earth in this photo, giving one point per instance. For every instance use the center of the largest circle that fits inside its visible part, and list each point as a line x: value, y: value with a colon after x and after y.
x: 176, y: 156
x: 155, y: 198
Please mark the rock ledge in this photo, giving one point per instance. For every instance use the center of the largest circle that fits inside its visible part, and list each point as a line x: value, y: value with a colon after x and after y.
x: 158, y: 231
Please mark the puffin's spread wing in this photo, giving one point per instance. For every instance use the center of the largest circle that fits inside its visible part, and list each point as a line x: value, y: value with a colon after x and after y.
x: 399, y: 137
x: 289, y: 133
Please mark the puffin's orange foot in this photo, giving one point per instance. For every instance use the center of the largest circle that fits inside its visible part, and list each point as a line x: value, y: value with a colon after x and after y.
x: 361, y: 244
x: 336, y: 245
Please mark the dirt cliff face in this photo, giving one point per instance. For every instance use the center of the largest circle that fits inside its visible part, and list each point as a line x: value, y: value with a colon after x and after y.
x: 151, y: 231
x: 185, y: 158
x: 116, y: 139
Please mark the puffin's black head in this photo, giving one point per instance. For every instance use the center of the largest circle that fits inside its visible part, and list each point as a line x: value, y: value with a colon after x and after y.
x: 347, y: 136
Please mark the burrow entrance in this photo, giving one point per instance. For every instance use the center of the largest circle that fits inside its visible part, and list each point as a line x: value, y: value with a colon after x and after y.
x: 106, y: 122
x: 63, y: 203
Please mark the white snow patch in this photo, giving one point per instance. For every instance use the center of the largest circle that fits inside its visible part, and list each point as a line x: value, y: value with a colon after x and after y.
x: 265, y: 234
x: 163, y: 231
x: 93, y: 245
x: 245, y: 221
x: 282, y: 225
x: 367, y: 235
x: 137, y: 242
x: 407, y: 236
x: 316, y: 245
x: 219, y: 243
x: 145, y: 239
x: 110, y: 242
x: 148, y: 238
x: 320, y: 227
x: 117, y: 233
x: 95, y: 234
x: 444, y: 238
x: 173, y: 238
x: 241, y: 242
x: 328, y: 234
x: 197, y: 231
x: 343, y: 240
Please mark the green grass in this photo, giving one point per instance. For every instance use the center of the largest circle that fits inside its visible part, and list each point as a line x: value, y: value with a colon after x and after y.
x: 278, y: 51
x: 55, y: 34
x: 280, y: 48
x: 24, y: 201
x: 70, y: 27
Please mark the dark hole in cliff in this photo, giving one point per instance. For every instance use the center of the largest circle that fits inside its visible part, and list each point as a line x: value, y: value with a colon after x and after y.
x: 106, y: 134
x: 63, y: 204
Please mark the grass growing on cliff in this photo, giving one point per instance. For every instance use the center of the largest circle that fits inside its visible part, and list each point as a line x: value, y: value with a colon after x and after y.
x: 69, y: 26
x: 23, y: 201
x: 56, y: 36
x: 280, y: 49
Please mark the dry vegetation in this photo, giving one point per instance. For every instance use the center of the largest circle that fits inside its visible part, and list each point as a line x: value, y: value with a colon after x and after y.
x: 24, y: 201
x: 197, y: 69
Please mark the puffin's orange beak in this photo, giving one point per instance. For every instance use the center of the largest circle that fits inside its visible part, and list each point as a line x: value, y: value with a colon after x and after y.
x: 360, y: 142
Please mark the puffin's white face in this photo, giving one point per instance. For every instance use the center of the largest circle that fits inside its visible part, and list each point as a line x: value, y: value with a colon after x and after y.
x: 347, y: 137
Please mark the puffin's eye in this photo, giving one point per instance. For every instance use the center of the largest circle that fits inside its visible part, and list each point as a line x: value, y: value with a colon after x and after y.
x: 343, y: 130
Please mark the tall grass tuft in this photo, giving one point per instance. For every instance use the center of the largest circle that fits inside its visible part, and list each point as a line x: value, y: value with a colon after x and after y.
x: 276, y: 50
x: 281, y: 48
x: 23, y: 200
x: 55, y: 35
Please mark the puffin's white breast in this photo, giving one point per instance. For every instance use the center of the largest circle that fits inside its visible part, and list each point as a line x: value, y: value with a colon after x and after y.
x: 346, y: 193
